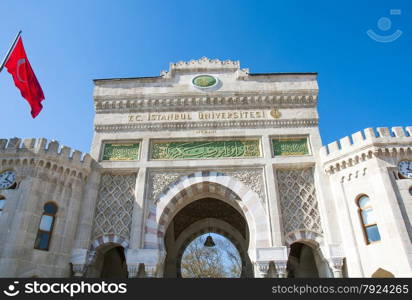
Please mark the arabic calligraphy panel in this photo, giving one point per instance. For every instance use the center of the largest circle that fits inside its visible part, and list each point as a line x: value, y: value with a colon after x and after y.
x: 205, y: 149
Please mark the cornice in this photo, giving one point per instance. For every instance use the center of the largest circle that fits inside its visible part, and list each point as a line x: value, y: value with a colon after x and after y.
x: 136, y: 103
x: 207, y: 125
x: 362, y: 154
x: 364, y: 145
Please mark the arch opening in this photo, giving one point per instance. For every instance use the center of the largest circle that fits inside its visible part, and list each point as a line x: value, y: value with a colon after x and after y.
x: 110, y: 262
x: 220, y: 261
x: 302, y: 261
x: 187, y: 230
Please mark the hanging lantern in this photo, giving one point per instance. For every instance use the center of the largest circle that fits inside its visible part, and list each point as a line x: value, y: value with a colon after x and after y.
x: 209, y: 242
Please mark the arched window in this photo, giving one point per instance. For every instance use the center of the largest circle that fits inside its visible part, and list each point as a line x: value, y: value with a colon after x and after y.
x: 368, y: 219
x: 46, y: 227
x: 2, y: 202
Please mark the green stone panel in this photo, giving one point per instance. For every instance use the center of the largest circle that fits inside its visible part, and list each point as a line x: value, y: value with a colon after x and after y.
x: 121, y: 151
x: 205, y: 149
x: 290, y: 146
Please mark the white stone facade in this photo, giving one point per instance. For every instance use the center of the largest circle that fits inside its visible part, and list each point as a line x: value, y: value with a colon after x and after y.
x: 249, y: 141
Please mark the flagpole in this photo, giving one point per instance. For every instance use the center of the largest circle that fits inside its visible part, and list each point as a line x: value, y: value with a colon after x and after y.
x: 11, y: 49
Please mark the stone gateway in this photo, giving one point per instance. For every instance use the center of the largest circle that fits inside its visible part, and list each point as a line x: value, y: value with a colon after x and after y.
x: 208, y: 147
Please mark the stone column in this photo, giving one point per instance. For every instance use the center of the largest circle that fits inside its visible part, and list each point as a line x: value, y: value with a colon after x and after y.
x: 79, y: 270
x: 279, y: 255
x: 151, y: 258
x: 261, y: 269
x: 132, y: 270
x: 79, y: 260
x: 137, y: 228
x: 150, y: 271
x: 273, y: 203
x: 336, y: 264
x: 281, y: 268
x: 139, y: 207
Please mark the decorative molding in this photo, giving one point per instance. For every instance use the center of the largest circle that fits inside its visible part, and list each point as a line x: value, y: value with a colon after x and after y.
x: 37, y: 166
x: 263, y: 267
x: 205, y: 63
x: 132, y: 270
x: 364, y: 145
x: 150, y: 270
x: 109, y: 239
x: 143, y: 103
x: 298, y: 200
x: 207, y: 125
x: 281, y: 268
x: 304, y: 235
x: 336, y: 264
x: 362, y: 155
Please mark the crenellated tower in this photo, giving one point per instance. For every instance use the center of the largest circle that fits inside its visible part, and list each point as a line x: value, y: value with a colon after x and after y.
x: 373, y: 199
x: 47, y: 195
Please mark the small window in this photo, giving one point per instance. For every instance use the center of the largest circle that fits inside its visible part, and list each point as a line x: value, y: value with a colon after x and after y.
x: 46, y: 227
x: 368, y: 220
x: 2, y: 203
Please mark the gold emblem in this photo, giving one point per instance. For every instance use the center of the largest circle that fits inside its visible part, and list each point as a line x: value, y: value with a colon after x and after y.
x: 275, y: 113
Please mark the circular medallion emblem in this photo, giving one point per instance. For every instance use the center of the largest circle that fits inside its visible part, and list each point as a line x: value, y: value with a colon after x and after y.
x: 275, y: 113
x: 204, y: 81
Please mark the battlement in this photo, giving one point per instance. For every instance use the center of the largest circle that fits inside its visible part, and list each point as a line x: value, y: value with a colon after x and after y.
x: 49, y: 149
x: 395, y: 136
x: 205, y: 63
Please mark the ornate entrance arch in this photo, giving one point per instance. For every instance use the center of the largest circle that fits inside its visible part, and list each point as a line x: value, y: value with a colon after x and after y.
x: 200, y: 185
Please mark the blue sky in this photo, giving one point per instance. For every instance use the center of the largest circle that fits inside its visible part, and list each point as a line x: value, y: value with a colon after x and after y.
x: 363, y: 83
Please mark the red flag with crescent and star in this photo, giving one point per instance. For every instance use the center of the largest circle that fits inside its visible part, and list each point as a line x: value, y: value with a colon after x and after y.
x: 19, y: 67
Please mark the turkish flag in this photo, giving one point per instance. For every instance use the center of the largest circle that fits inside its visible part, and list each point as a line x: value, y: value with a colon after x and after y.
x: 19, y: 67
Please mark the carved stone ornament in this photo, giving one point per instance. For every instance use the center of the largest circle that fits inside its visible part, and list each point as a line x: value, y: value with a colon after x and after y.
x: 114, y: 206
x: 276, y: 123
x: 281, y: 267
x: 298, y: 200
x: 336, y: 262
x: 252, y: 178
x: 132, y: 270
